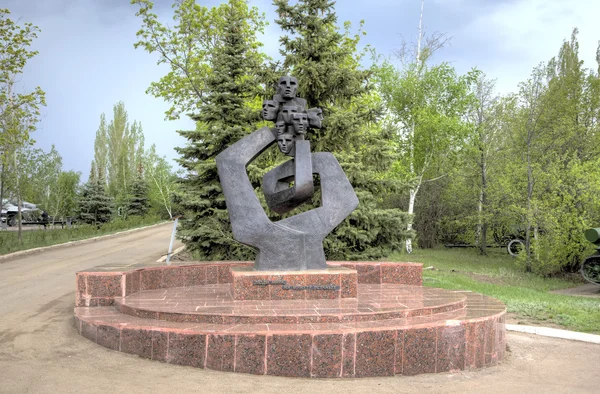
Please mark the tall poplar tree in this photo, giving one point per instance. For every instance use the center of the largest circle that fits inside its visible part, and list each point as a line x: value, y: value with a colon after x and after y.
x: 118, y: 153
x: 327, y: 63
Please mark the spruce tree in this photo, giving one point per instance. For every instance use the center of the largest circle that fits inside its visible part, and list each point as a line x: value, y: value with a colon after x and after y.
x: 139, y: 203
x: 224, y: 117
x: 327, y: 65
x: 95, y: 206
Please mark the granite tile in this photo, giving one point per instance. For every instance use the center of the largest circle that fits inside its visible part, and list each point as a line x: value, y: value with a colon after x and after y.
x: 399, y: 349
x: 392, y: 273
x: 224, y: 272
x: 348, y: 355
x: 322, y: 280
x: 132, y: 282
x: 137, y: 341
x: 104, y: 285
x: 194, y: 275
x: 375, y: 353
x: 105, y: 301
x: 419, y: 351
x: 327, y: 356
x: 172, y: 277
x: 475, y: 342
x: 276, y: 292
x: 160, y: 344
x: 451, y: 345
x: 220, y: 354
x: 150, y: 279
x: 89, y: 330
x: 244, y: 289
x: 212, y: 274
x: 349, y: 284
x: 80, y: 289
x: 250, y: 354
x: 367, y: 273
x: 108, y: 336
x: 490, y: 336
x: 413, y: 275
x: 289, y: 355
x: 187, y: 349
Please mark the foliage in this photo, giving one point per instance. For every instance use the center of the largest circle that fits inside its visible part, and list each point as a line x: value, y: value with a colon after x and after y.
x: 524, y: 165
x: 189, y: 47
x: 118, y: 153
x: 162, y: 182
x: 139, y: 203
x: 95, y: 206
x: 19, y: 112
x: 219, y: 53
x: 37, y: 171
x: 327, y: 64
x: 555, y: 142
x: 425, y: 105
x: 63, y: 195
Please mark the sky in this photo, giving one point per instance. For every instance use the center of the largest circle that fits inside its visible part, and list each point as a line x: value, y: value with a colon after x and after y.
x: 87, y: 61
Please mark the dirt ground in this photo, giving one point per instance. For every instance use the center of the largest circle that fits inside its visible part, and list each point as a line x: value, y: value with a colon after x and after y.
x: 586, y: 290
x: 40, y: 351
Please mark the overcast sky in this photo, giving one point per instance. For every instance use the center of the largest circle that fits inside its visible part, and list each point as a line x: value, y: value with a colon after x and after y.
x: 87, y: 62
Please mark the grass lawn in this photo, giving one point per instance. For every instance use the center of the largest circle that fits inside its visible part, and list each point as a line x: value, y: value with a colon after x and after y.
x: 9, y: 242
x: 526, y: 296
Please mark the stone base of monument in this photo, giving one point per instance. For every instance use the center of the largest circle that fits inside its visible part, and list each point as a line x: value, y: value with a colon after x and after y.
x: 187, y: 314
x: 332, y: 283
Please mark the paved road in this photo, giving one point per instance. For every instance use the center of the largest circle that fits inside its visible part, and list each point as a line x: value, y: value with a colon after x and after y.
x: 40, y: 351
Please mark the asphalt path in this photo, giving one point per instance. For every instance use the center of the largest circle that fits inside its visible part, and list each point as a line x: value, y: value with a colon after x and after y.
x: 41, y: 352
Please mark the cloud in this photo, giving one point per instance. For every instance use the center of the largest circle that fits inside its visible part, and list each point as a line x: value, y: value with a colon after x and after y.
x: 86, y: 64
x: 518, y: 35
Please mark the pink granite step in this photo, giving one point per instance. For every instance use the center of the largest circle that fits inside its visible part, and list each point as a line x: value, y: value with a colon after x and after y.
x: 409, y: 346
x: 215, y: 304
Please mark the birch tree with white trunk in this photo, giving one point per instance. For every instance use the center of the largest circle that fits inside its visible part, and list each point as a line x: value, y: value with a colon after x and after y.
x: 426, y: 105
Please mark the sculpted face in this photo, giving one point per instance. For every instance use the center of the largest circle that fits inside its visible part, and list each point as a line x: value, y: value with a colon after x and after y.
x: 285, y: 142
x: 300, y: 122
x: 315, y: 116
x: 288, y: 87
x: 269, y: 110
x: 288, y: 112
x: 281, y: 127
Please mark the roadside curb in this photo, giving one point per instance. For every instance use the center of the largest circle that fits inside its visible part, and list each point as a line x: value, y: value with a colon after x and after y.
x: 555, y: 333
x: 29, y: 252
x: 173, y: 253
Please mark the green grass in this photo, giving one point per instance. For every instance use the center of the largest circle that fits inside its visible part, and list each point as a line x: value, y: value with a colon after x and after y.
x: 526, y: 295
x: 9, y: 242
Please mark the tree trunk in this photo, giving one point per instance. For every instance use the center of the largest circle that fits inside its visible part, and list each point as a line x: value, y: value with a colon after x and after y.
x: 411, y: 210
x: 528, y: 225
x: 483, y: 207
x: 415, y: 190
x: 479, y: 229
x: 2, y: 184
x: 18, y: 187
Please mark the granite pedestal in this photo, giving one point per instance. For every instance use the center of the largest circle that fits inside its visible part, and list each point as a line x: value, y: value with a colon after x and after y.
x: 188, y: 315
